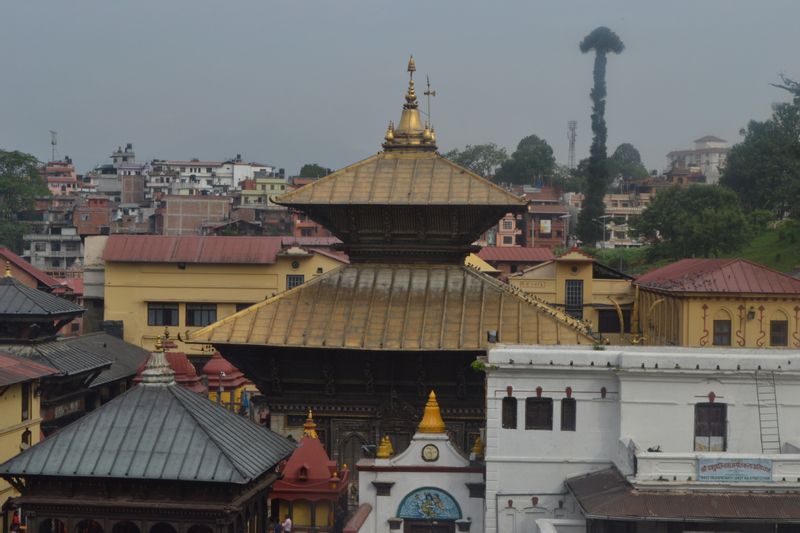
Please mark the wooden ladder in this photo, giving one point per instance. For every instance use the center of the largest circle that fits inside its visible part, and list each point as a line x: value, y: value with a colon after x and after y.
x: 768, y: 412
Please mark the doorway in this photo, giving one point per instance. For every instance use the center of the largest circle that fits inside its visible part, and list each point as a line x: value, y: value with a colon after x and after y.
x: 429, y: 526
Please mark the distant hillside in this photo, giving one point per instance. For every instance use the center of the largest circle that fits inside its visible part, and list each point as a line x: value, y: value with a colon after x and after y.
x: 777, y: 248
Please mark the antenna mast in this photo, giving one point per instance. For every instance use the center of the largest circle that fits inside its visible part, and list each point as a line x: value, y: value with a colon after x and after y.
x: 53, y: 143
x: 572, y: 126
x: 428, y: 92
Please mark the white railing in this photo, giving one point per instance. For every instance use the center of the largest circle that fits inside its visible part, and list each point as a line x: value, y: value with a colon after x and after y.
x: 717, y: 467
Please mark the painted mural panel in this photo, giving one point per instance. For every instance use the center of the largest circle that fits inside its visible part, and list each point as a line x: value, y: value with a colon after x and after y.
x: 429, y: 503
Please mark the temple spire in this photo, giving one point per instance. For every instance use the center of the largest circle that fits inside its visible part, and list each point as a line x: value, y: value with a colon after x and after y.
x: 310, y: 427
x: 157, y: 371
x: 410, y: 135
x: 8, y: 269
x: 432, y: 418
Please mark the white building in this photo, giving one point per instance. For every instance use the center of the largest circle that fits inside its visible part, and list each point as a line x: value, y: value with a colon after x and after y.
x: 641, y: 439
x: 708, y: 156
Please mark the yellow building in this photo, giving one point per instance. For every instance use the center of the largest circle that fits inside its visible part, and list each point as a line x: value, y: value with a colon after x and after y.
x: 718, y: 302
x: 19, y: 409
x: 584, y: 288
x: 187, y: 282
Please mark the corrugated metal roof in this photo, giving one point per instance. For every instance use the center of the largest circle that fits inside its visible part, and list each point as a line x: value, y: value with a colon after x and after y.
x: 15, y: 369
x: 719, y: 275
x: 607, y: 495
x: 289, y: 240
x: 156, y: 432
x: 397, y: 307
x: 20, y: 300
x: 521, y: 254
x: 191, y: 249
x: 20, y: 263
x: 126, y: 358
x: 70, y: 355
x: 402, y: 178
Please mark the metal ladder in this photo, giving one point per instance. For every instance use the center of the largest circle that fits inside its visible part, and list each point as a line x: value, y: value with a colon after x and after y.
x: 768, y: 412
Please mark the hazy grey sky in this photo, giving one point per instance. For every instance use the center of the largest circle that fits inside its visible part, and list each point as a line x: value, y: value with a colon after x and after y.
x: 288, y: 82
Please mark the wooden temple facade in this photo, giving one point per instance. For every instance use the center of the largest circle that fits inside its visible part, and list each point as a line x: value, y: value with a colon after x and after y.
x: 363, y: 344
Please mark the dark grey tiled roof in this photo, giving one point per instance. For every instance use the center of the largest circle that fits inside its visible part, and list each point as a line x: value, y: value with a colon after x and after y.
x: 156, y: 432
x: 70, y: 355
x: 21, y: 300
x: 126, y: 357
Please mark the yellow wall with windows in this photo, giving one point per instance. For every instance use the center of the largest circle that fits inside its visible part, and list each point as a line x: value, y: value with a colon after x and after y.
x: 129, y: 287
x: 12, y: 426
x: 688, y: 320
x: 301, y: 513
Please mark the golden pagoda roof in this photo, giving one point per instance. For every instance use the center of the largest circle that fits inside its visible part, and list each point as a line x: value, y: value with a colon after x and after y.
x: 380, y: 306
x: 402, y: 178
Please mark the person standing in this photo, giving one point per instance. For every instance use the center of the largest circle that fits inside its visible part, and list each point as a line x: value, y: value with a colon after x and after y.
x: 287, y: 525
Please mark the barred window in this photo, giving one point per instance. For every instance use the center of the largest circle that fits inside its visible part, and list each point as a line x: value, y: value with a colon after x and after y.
x: 779, y: 333
x: 539, y: 413
x: 569, y: 409
x: 201, y: 314
x: 722, y: 333
x: 162, y: 314
x: 509, y: 413
x: 293, y: 280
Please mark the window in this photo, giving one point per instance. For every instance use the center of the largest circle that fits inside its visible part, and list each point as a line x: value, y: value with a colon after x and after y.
x: 26, y: 440
x: 574, y: 297
x: 539, y: 413
x: 242, y: 307
x: 508, y: 225
x: 722, y: 333
x: 779, y: 333
x: 568, y: 414
x: 709, y: 427
x: 55, y: 246
x: 608, y: 320
x: 508, y: 239
x: 293, y: 280
x: 200, y: 314
x: 160, y: 314
x: 39, y: 246
x: 509, y: 413
x: 26, y: 401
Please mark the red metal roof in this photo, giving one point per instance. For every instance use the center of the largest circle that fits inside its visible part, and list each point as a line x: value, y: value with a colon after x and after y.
x: 719, y: 275
x: 192, y: 249
x: 19, y: 369
x: 21, y: 264
x: 521, y: 254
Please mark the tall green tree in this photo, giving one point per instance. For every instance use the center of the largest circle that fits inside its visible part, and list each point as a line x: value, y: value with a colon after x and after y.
x: 764, y: 169
x: 482, y: 159
x: 20, y: 185
x: 313, y: 170
x: 625, y: 165
x: 694, y: 221
x: 602, y: 41
x: 532, y: 159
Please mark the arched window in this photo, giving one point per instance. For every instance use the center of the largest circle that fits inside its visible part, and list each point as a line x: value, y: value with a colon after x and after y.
x: 26, y: 439
x: 52, y: 525
x: 722, y: 328
x: 779, y: 329
x: 162, y: 527
x: 88, y: 526
x: 125, y: 527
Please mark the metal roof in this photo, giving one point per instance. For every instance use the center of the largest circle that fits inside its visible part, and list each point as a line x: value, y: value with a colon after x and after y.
x: 19, y: 300
x: 15, y: 369
x: 126, y: 358
x: 21, y: 264
x: 70, y: 355
x: 407, y: 178
x: 191, y: 249
x: 522, y: 254
x: 374, y: 306
x: 719, y: 276
x: 607, y: 495
x: 157, y: 433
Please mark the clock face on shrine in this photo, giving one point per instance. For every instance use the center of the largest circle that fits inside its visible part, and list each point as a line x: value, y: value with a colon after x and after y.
x: 430, y: 453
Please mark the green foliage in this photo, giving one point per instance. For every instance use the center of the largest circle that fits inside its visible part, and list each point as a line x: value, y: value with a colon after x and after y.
x: 568, y: 180
x: 482, y: 159
x: 626, y: 164
x: 602, y: 41
x: 775, y: 245
x: 20, y: 184
x: 631, y: 261
x: 695, y: 221
x: 533, y: 158
x: 764, y: 169
x: 313, y: 170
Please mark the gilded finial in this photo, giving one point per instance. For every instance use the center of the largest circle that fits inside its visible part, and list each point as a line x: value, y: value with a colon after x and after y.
x: 432, y: 418
x: 8, y: 269
x: 159, y: 347
x: 412, y: 67
x: 477, y: 448
x: 310, y: 427
x: 390, y: 132
x: 384, y: 448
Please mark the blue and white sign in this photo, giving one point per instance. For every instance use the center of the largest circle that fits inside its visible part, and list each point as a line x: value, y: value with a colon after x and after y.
x: 429, y: 503
x: 733, y: 469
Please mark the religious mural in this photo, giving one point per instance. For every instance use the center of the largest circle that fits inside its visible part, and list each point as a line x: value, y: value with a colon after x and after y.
x: 429, y: 503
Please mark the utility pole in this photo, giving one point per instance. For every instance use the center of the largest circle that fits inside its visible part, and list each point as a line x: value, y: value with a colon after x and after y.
x: 572, y: 134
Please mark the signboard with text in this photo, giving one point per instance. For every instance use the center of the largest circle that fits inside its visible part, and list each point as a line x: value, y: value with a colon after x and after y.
x: 733, y: 469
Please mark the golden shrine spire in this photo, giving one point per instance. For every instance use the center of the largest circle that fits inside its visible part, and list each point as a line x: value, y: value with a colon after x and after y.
x: 8, y: 269
x: 432, y: 418
x: 310, y: 427
x: 409, y: 134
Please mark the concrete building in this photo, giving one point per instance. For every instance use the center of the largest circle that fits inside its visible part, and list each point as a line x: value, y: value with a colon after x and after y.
x: 641, y: 439
x: 61, y: 177
x: 708, y: 156
x: 93, y: 216
x: 619, y: 209
x: 186, y: 215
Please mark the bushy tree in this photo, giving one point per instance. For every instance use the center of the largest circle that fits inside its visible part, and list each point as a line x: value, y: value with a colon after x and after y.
x: 626, y: 165
x: 533, y: 158
x: 602, y: 41
x: 313, y: 170
x: 694, y: 221
x: 20, y: 185
x: 482, y: 159
x: 764, y: 169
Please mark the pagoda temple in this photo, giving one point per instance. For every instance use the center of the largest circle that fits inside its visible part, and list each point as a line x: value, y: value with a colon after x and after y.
x: 364, y: 343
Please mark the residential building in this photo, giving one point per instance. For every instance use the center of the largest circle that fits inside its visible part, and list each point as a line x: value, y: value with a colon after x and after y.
x: 718, y: 302
x: 583, y: 288
x: 186, y: 215
x: 361, y: 344
x: 187, y: 282
x: 20, y: 416
x: 510, y: 231
x: 93, y: 216
x: 619, y: 208
x: 158, y: 459
x: 641, y: 439
x: 708, y: 156
x: 27, y: 274
x: 133, y: 178
x: 53, y: 245
x: 61, y: 177
x: 509, y: 260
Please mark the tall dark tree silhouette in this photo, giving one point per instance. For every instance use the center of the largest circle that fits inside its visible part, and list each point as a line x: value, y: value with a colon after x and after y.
x: 601, y: 41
